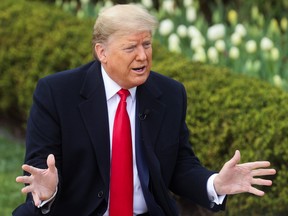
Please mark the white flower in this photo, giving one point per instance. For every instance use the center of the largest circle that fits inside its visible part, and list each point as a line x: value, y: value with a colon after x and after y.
x: 199, y: 55
x: 187, y: 3
x: 241, y: 30
x: 212, y: 54
x: 174, y: 43
x: 182, y: 31
x: 277, y: 80
x: 197, y: 42
x: 216, y: 32
x: 248, y: 65
x: 274, y: 53
x: 147, y: 3
x: 251, y: 46
x: 84, y: 1
x: 256, y: 65
x: 168, y: 6
x: 266, y: 44
x: 193, y: 32
x: 220, y: 45
x: 166, y: 27
x: 108, y: 4
x: 236, y: 39
x: 234, y: 53
x: 191, y: 14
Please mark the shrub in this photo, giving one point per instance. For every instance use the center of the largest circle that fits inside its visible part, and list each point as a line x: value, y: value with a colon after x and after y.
x: 228, y: 112
x: 36, y: 40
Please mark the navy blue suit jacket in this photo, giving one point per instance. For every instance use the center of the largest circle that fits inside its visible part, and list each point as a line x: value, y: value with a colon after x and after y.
x: 69, y: 119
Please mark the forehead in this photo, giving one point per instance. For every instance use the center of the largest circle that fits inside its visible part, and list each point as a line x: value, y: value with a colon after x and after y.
x: 122, y: 37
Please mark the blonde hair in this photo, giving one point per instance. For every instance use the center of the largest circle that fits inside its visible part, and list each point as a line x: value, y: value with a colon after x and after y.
x: 122, y: 19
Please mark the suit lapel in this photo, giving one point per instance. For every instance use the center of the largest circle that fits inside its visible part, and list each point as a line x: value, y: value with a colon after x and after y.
x: 95, y: 116
x: 148, y: 99
x: 149, y: 104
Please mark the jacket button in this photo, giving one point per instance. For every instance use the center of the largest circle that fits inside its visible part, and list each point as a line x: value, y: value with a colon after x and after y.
x: 100, y: 194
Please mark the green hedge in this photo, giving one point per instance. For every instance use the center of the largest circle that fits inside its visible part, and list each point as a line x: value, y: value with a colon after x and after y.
x: 36, y: 39
x: 225, y: 111
x: 228, y: 112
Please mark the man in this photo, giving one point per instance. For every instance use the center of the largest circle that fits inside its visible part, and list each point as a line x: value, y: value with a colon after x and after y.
x: 71, y: 142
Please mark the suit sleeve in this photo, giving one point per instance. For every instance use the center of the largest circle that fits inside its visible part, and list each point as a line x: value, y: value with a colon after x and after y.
x: 190, y: 177
x: 42, y: 138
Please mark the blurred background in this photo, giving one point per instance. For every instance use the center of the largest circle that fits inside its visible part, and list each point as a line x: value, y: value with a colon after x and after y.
x: 231, y: 55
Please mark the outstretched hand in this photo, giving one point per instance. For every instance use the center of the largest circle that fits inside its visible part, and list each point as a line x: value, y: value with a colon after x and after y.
x: 42, y: 183
x: 236, y: 178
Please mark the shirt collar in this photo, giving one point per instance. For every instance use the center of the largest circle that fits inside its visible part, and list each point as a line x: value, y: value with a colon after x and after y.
x: 111, y: 87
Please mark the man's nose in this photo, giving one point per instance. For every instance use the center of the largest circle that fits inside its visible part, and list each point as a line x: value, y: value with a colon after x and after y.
x: 141, y: 53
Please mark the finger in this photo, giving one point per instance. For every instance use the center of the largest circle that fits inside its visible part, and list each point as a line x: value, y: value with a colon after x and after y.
x: 235, y: 159
x: 256, y: 164
x: 259, y: 181
x: 263, y: 172
x: 30, y: 169
x: 256, y: 191
x: 36, y: 199
x: 51, y: 163
x: 24, y: 179
x: 27, y: 189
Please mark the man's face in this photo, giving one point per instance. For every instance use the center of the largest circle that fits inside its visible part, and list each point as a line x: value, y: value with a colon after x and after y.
x: 127, y: 59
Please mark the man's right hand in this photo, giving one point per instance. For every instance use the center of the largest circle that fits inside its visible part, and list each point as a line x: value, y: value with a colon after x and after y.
x: 42, y: 183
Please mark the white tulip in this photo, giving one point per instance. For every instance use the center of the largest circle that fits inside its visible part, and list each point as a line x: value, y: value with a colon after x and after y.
x: 182, y: 31
x: 187, y: 3
x: 220, y: 45
x: 274, y: 53
x: 174, y: 43
x: 168, y: 6
x: 212, y: 54
x: 191, y: 14
x: 166, y: 27
x: 147, y: 3
x: 241, y: 30
x: 251, y: 46
x: 216, y: 32
x: 249, y: 65
x: 108, y: 4
x: 197, y: 42
x: 199, y: 55
x: 84, y: 1
x: 193, y: 32
x: 277, y: 80
x: 236, y: 39
x: 256, y: 65
x: 234, y: 53
x: 266, y: 44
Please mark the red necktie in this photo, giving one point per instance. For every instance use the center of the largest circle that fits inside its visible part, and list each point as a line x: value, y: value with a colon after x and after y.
x: 121, y: 182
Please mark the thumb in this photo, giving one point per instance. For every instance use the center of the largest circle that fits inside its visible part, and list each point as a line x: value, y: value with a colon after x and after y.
x: 235, y: 159
x: 51, y: 163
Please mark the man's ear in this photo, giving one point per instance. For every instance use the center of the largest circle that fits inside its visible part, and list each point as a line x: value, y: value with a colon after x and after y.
x: 101, y: 52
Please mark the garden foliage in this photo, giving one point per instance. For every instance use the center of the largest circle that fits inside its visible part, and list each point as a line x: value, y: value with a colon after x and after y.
x: 33, y: 37
x: 225, y: 111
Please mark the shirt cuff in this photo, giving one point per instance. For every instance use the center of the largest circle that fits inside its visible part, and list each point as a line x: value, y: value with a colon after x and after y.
x: 47, y: 201
x: 213, y: 196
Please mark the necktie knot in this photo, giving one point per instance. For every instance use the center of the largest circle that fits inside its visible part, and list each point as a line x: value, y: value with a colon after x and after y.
x: 123, y: 93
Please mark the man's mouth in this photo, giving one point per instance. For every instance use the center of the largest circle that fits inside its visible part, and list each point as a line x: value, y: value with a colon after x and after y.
x: 139, y: 69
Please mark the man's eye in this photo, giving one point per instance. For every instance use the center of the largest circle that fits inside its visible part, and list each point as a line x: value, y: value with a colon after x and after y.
x: 129, y: 49
x: 147, y: 45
